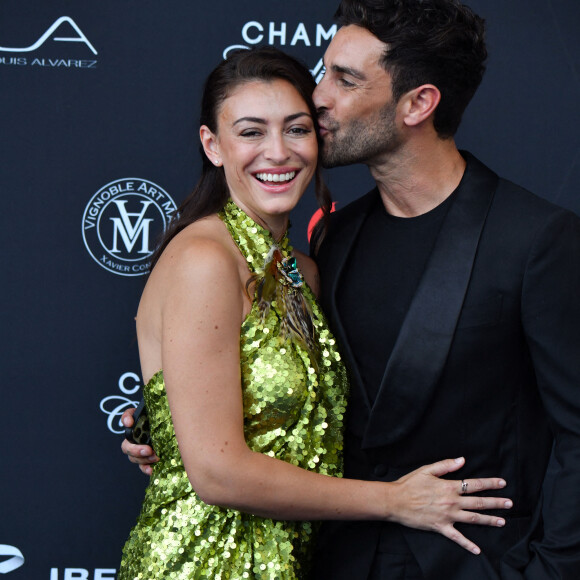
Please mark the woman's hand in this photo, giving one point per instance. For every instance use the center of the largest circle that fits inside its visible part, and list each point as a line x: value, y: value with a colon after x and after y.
x: 143, y: 455
x: 426, y: 502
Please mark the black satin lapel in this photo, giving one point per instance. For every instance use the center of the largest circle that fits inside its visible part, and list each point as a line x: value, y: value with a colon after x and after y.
x: 339, y: 253
x: 425, y: 337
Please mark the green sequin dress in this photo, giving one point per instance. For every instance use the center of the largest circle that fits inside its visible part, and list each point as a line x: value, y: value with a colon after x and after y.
x: 294, y: 401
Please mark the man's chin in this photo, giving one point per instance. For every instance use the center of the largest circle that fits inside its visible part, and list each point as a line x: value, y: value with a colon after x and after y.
x: 328, y: 158
x: 330, y: 161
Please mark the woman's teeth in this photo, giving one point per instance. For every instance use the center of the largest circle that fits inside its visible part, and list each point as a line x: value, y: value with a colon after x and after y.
x: 276, y: 177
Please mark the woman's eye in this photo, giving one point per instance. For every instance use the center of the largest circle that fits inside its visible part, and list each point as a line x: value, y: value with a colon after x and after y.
x: 299, y: 131
x: 251, y: 133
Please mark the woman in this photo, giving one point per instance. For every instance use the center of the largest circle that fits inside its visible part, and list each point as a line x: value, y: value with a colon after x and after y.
x: 252, y: 388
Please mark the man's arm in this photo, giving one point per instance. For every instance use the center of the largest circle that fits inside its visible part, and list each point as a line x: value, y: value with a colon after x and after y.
x: 143, y: 455
x: 551, y: 320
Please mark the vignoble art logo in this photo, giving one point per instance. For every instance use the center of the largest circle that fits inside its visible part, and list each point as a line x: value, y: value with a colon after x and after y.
x: 122, y: 222
x: 283, y: 35
x: 62, y: 31
x: 11, y: 559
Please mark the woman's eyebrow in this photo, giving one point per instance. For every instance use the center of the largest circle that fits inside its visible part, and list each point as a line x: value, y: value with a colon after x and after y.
x: 264, y: 122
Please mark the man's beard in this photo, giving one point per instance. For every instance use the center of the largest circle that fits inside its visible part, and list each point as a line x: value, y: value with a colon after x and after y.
x: 359, y: 141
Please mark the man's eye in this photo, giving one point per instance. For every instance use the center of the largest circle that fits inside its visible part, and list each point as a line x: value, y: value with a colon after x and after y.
x: 251, y: 133
x: 346, y: 84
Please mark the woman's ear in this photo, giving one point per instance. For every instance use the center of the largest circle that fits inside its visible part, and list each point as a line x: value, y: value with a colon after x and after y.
x: 420, y: 104
x: 210, y: 145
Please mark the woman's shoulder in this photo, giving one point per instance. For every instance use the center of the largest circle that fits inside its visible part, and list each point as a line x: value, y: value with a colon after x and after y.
x: 198, y: 258
x: 203, y: 247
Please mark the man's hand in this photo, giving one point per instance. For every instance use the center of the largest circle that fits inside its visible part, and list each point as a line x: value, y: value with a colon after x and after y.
x: 143, y: 455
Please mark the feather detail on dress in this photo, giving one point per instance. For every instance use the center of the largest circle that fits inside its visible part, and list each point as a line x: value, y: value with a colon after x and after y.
x: 280, y: 283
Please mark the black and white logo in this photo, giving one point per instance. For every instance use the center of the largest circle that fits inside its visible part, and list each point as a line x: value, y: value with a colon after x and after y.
x: 63, y: 31
x: 11, y: 559
x: 122, y: 223
x: 115, y: 405
x: 285, y: 35
x: 48, y: 35
x: 82, y: 574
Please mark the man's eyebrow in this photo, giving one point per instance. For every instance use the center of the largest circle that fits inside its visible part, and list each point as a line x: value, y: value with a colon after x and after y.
x: 261, y: 121
x: 349, y: 71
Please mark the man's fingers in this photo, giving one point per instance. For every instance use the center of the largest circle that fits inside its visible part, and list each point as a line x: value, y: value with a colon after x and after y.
x: 457, y: 537
x: 138, y: 453
x: 127, y: 417
x: 145, y: 460
x: 146, y: 469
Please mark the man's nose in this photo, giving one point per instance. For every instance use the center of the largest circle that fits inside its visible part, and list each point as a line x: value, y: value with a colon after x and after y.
x: 320, y: 95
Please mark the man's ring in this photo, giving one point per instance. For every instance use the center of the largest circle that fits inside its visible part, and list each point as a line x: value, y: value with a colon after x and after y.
x: 463, y: 487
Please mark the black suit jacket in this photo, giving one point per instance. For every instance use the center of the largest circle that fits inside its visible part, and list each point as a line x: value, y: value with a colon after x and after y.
x: 486, y: 366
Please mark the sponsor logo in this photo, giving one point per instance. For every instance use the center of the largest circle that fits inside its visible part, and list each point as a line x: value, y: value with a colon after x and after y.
x: 59, y: 32
x: 11, y: 559
x: 122, y: 221
x: 115, y: 405
x: 83, y: 574
x: 284, y: 35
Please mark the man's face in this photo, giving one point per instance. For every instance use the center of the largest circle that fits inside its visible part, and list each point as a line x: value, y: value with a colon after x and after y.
x: 357, y: 114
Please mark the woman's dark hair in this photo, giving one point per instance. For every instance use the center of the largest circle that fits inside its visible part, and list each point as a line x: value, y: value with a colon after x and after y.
x: 440, y: 42
x: 242, y: 66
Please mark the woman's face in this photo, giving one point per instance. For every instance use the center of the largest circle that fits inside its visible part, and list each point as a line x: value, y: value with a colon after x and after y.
x: 267, y: 144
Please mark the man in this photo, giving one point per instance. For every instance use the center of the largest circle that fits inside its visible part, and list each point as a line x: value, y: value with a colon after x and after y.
x: 454, y: 294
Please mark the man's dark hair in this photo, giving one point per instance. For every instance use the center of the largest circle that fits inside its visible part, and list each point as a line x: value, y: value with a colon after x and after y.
x: 439, y: 42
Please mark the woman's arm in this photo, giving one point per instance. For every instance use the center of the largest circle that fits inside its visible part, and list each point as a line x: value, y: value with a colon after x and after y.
x: 202, y: 308
x: 144, y: 455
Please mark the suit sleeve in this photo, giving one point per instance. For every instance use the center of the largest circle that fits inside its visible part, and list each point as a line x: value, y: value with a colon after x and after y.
x: 551, y: 321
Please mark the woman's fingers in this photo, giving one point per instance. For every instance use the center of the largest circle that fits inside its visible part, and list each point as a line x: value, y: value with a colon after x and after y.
x: 485, y: 503
x: 429, y: 502
x: 465, y: 517
x: 450, y: 532
x: 481, y: 484
x: 437, y: 504
x: 443, y: 467
x: 464, y: 486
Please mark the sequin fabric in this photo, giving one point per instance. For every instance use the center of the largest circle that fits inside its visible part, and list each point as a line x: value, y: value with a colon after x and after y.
x: 291, y: 411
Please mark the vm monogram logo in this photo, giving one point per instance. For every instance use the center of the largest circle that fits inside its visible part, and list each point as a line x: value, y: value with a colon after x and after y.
x: 48, y: 34
x: 129, y: 232
x: 122, y: 222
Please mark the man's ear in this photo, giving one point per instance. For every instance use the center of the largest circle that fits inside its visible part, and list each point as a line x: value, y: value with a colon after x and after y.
x: 210, y: 145
x: 420, y: 104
